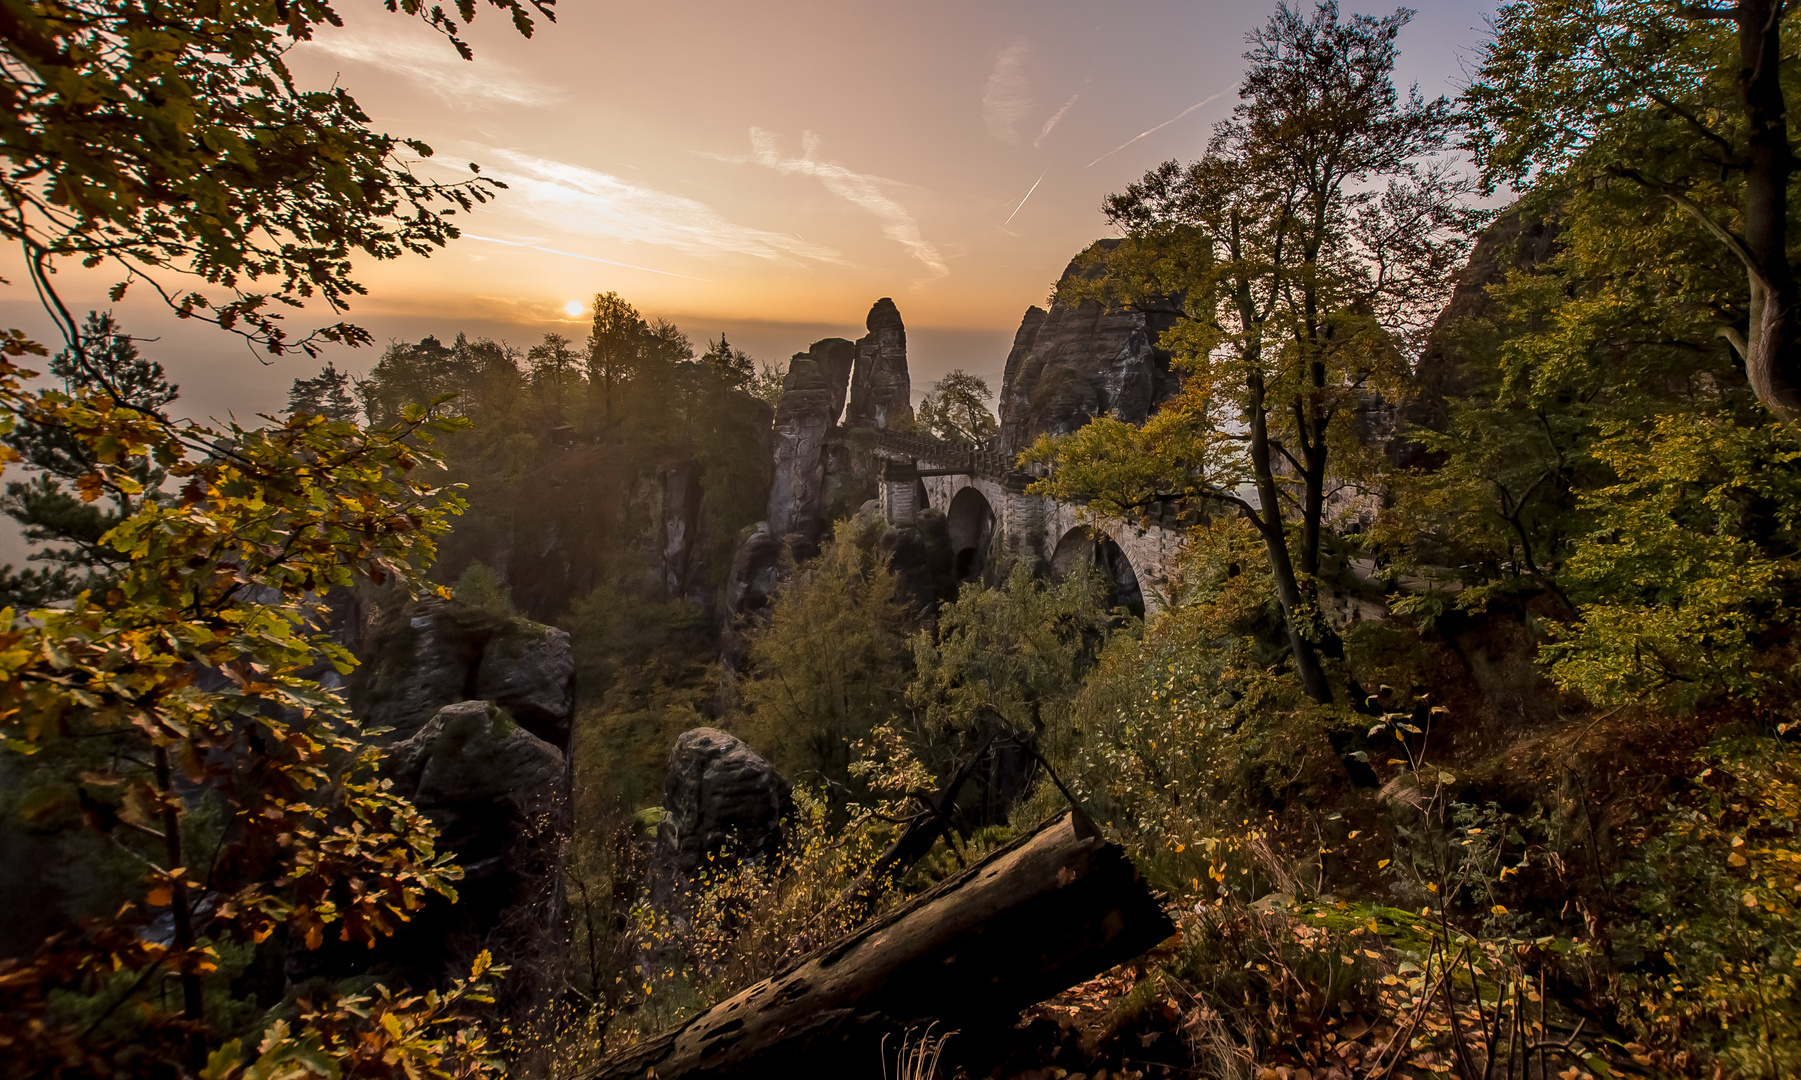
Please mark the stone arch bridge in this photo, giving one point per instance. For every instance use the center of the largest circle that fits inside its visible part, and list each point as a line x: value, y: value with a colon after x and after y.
x: 994, y: 523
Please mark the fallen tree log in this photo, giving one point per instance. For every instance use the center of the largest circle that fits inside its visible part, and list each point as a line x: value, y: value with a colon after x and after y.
x: 1049, y: 910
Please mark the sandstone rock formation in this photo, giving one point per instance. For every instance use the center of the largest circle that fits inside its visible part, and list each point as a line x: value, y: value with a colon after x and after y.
x: 1463, y: 332
x: 756, y: 571
x: 437, y: 652
x: 813, y: 400
x: 881, y: 394
x: 475, y: 770
x: 499, y: 795
x: 837, y: 358
x: 481, y: 706
x: 719, y: 798
x: 812, y: 467
x: 802, y: 420
x: 1071, y: 364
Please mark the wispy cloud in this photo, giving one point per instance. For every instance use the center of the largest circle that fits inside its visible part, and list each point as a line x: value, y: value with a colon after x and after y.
x: 1152, y: 131
x: 860, y: 189
x: 1007, y: 96
x: 584, y: 202
x: 436, y: 66
x: 1055, y: 119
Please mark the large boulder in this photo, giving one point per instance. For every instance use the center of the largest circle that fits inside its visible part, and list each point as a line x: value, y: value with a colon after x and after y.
x: 435, y: 652
x: 499, y: 796
x: 881, y: 392
x: 1073, y: 363
x: 720, y: 800
x: 472, y: 755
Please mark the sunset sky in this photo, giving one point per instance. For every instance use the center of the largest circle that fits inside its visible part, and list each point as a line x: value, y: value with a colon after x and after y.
x: 767, y: 170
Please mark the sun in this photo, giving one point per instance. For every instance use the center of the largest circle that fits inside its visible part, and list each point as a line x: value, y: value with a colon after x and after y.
x: 573, y: 307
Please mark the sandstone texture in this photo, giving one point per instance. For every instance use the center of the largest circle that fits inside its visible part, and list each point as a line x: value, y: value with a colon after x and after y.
x: 881, y: 393
x: 437, y: 652
x: 720, y: 799
x: 499, y: 796
x: 1463, y: 334
x: 1073, y: 363
x: 797, y: 488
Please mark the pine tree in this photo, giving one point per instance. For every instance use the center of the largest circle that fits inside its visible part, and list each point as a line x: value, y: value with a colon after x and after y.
x: 326, y: 394
x: 733, y: 363
x: 59, y: 514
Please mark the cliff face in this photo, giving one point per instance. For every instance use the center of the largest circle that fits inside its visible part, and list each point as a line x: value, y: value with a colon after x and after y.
x: 802, y: 419
x: 874, y: 372
x: 1073, y: 363
x: 881, y: 394
x: 1460, y: 350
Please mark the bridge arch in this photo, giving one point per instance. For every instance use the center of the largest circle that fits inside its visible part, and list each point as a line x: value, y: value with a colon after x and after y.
x: 1082, y: 548
x: 970, y: 521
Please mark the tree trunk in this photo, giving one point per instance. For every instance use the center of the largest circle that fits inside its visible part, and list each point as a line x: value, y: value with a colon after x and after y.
x: 1269, y: 523
x: 1050, y: 909
x: 1773, y: 360
x: 181, y: 914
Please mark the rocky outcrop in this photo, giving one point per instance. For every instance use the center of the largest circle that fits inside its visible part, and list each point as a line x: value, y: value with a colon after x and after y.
x: 480, y: 706
x: 720, y: 800
x: 436, y: 652
x: 837, y: 359
x: 471, y: 766
x: 881, y: 393
x: 1463, y: 337
x: 801, y: 422
x: 1073, y: 363
x: 919, y: 554
x: 499, y: 796
x: 817, y: 473
x: 679, y: 497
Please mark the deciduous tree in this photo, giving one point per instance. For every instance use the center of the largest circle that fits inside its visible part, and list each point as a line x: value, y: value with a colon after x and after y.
x: 173, y: 141
x: 955, y: 409
x: 1311, y: 245
x: 182, y: 706
x: 1683, y: 99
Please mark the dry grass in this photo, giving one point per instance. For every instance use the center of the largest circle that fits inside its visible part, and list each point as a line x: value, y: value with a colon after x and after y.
x: 918, y: 1056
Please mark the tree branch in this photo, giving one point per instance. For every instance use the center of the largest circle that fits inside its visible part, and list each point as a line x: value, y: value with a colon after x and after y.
x: 1702, y: 11
x: 1690, y: 207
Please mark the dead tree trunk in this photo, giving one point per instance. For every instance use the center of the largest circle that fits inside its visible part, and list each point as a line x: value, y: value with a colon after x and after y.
x: 1050, y: 909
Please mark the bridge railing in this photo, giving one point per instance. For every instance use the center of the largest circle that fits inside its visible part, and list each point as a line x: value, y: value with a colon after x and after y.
x: 981, y: 462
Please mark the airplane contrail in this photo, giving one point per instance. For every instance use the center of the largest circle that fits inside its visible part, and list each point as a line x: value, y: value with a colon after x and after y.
x: 573, y: 255
x: 1154, y: 130
x: 1022, y: 202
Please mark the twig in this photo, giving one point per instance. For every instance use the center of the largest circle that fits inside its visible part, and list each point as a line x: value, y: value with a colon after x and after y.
x: 1543, y: 1045
x: 1544, y: 1062
x: 1419, y: 1014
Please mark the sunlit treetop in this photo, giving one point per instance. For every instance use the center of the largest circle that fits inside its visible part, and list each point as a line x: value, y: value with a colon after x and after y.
x: 170, y: 140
